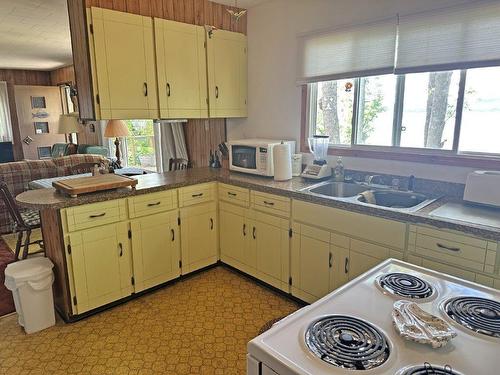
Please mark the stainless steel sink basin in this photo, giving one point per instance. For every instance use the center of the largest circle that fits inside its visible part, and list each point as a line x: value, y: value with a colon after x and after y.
x: 338, y: 189
x: 400, y: 200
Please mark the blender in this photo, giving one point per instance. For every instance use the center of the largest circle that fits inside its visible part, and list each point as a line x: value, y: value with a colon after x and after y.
x: 318, y: 169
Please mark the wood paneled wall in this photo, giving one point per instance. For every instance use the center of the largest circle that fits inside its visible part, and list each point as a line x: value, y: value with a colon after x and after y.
x: 62, y: 75
x: 20, y: 77
x: 202, y: 136
x: 197, y: 12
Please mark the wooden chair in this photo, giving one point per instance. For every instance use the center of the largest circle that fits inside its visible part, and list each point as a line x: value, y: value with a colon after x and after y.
x: 178, y: 164
x: 24, y: 222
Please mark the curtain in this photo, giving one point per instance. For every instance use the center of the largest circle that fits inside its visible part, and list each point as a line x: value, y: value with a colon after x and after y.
x: 458, y: 37
x: 348, y: 52
x: 170, y: 143
x: 5, y: 124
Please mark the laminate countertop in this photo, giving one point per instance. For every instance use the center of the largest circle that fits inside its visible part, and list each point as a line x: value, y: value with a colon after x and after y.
x: 43, y: 199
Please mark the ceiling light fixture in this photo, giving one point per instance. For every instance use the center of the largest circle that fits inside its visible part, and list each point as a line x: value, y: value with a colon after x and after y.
x: 235, y: 15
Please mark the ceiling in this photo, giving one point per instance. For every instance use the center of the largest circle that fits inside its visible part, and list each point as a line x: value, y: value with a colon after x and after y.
x: 34, y: 34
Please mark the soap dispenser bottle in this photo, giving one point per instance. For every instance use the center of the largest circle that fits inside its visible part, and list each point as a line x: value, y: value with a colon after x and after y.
x: 338, y: 172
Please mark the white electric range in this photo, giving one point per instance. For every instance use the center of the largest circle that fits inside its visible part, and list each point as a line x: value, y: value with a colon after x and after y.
x: 350, y: 331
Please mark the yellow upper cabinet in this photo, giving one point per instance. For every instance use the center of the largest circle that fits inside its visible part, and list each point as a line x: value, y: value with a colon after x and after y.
x: 227, y: 73
x: 124, y: 64
x: 182, y: 69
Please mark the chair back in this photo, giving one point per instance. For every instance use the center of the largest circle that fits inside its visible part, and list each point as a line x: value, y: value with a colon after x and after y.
x: 178, y: 164
x: 11, y: 205
x: 83, y: 168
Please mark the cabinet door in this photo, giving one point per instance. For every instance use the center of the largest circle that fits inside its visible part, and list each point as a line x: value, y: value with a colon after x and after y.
x: 198, y: 236
x: 233, y: 231
x: 340, y: 266
x: 272, y: 247
x: 227, y: 73
x: 360, y: 263
x: 101, y: 263
x: 311, y: 261
x: 125, y: 66
x: 155, y: 250
x: 181, y: 67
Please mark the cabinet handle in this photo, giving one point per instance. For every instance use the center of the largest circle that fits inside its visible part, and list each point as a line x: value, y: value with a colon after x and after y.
x: 197, y: 195
x: 268, y: 203
x: 173, y: 234
x: 441, y: 246
x: 244, y: 230
x: 211, y: 224
x: 330, y: 260
x: 216, y: 92
x: 168, y: 89
x: 98, y: 215
x: 254, y: 234
x: 154, y: 204
x: 231, y: 194
x: 346, y: 266
x: 145, y: 89
x: 121, y: 249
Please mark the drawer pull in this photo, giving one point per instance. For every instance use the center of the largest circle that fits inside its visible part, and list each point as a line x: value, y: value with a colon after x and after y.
x: 154, y: 204
x: 173, y: 234
x: 145, y: 89
x: 444, y: 247
x: 269, y: 203
x: 98, y: 215
x: 211, y: 224
x: 244, y: 230
x: 168, y: 89
x: 254, y: 234
x: 197, y: 195
x: 231, y: 194
x: 121, y: 249
x: 346, y: 266
x: 330, y: 260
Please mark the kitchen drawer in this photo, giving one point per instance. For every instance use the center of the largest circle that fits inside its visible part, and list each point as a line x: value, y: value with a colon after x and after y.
x: 270, y: 203
x: 96, y: 214
x: 452, y: 252
x: 450, y: 270
x: 148, y: 204
x: 234, y: 194
x: 196, y: 194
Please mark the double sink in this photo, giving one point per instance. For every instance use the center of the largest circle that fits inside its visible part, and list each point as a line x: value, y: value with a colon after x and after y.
x: 404, y: 201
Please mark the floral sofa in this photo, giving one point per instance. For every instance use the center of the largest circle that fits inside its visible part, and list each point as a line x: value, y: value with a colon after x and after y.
x: 18, y: 174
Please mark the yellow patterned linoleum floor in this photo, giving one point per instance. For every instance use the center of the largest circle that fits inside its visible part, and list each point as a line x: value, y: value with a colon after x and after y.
x: 200, y: 325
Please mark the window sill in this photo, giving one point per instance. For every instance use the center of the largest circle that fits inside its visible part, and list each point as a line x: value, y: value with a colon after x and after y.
x: 415, y: 156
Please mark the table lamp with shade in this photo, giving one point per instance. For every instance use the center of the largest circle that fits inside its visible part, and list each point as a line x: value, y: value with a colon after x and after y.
x: 68, y: 124
x: 116, y: 129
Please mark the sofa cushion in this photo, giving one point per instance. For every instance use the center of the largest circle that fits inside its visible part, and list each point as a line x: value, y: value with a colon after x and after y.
x: 65, y: 163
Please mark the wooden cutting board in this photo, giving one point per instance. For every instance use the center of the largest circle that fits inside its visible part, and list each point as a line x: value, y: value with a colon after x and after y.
x: 91, y: 184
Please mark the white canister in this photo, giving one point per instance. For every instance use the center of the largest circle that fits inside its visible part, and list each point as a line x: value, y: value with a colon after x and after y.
x: 296, y: 164
x: 282, y: 162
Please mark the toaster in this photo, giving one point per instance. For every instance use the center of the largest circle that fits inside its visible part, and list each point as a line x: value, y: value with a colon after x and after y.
x: 483, y: 187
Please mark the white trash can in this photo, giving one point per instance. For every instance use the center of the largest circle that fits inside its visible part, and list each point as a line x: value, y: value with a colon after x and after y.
x: 31, y: 281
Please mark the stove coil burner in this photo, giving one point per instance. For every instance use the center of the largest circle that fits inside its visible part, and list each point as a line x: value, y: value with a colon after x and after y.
x: 347, y: 342
x: 480, y: 315
x: 428, y: 369
x: 406, y: 285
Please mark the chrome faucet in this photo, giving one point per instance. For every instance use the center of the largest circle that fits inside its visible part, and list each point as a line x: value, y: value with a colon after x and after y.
x: 369, y: 179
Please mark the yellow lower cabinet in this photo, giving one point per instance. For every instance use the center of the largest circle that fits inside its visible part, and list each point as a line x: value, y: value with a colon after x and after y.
x: 271, y: 243
x: 101, y: 265
x: 233, y: 234
x: 155, y: 249
x: 311, y: 263
x: 360, y: 263
x: 340, y: 266
x: 198, y: 236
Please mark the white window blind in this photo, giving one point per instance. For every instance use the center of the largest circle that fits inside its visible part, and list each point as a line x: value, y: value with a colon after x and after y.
x: 5, y: 124
x: 355, y: 51
x: 458, y: 37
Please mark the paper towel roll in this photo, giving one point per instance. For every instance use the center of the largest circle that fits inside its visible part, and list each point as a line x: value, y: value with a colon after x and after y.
x: 282, y: 162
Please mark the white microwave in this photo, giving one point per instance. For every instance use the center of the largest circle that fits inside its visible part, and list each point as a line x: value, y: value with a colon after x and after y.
x: 254, y: 156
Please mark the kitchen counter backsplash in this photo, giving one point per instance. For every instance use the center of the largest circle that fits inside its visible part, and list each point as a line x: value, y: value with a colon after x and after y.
x: 433, y: 188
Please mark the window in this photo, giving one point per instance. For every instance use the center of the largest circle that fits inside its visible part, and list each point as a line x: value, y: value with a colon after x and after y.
x: 455, y: 111
x: 139, y: 147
